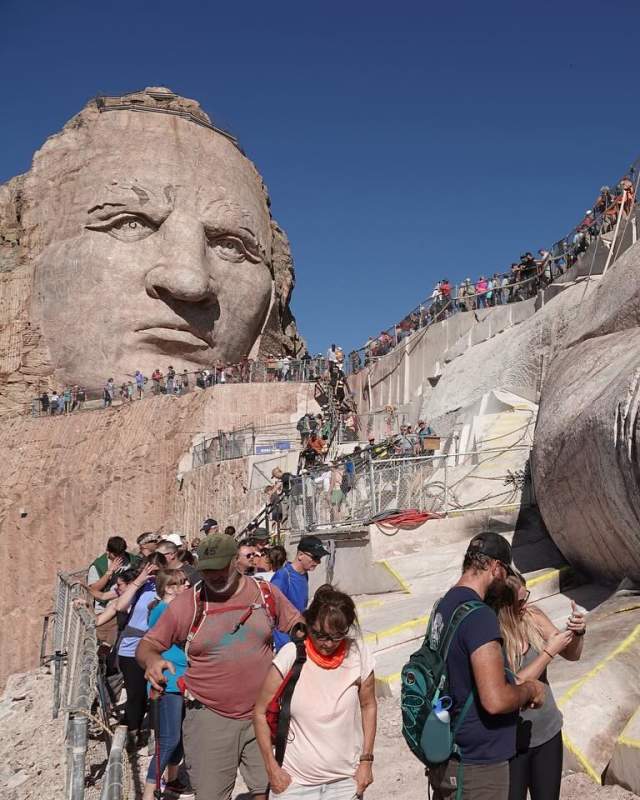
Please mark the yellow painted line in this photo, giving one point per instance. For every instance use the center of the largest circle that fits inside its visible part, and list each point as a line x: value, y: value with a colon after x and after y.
x: 624, y: 645
x: 403, y: 626
x: 369, y: 604
x: 405, y: 586
x: 387, y: 680
x: 547, y: 576
x: 629, y: 742
x: 581, y: 758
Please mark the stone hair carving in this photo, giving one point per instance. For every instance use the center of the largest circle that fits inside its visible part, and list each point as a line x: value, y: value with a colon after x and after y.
x: 142, y: 240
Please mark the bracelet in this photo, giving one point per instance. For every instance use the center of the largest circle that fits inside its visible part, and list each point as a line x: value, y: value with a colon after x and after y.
x: 366, y: 757
x: 580, y: 633
x: 548, y: 653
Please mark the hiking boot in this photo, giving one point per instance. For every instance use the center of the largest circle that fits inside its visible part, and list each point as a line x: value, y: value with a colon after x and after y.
x: 177, y: 789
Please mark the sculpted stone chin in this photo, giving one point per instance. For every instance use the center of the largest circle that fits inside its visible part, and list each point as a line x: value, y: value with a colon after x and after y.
x: 150, y: 242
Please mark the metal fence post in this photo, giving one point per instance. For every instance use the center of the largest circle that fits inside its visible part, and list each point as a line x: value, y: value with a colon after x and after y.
x: 446, y: 487
x: 76, y: 756
x: 372, y: 487
x: 304, y: 503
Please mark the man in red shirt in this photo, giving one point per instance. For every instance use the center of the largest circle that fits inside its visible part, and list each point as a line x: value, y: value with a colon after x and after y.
x: 226, y: 622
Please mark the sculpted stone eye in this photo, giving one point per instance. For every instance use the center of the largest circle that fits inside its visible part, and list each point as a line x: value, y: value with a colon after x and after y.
x: 131, y: 229
x: 229, y: 247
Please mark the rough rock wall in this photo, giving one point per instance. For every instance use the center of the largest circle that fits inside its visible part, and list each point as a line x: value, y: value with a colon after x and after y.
x: 71, y: 482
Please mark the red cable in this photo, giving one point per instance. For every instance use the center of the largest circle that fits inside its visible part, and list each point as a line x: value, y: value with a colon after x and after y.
x: 407, y: 520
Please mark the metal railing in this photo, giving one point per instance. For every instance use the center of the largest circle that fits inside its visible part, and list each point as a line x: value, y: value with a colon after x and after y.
x: 245, y: 442
x: 270, y: 370
x: 114, y: 782
x: 336, y: 496
x: 75, y: 673
x: 513, y: 286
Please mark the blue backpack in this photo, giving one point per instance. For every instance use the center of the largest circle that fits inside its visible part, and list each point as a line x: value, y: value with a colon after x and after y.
x: 425, y: 691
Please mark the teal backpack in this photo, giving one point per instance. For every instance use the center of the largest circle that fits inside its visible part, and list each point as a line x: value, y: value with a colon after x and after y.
x: 425, y: 690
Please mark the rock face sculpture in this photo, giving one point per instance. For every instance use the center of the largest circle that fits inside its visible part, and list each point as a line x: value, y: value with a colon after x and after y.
x: 586, y: 457
x: 141, y: 237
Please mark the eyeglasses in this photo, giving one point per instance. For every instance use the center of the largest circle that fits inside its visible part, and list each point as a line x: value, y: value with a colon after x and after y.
x: 321, y: 636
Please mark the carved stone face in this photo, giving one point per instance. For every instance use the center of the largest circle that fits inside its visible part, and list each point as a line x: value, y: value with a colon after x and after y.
x: 157, y: 249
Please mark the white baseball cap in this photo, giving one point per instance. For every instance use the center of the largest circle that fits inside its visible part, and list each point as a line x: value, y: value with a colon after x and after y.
x: 172, y: 537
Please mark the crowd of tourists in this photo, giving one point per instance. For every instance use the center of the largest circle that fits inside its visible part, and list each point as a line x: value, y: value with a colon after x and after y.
x: 270, y: 369
x: 219, y: 638
x: 523, y: 280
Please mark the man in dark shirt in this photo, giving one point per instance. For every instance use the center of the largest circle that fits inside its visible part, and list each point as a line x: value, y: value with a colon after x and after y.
x: 487, y: 736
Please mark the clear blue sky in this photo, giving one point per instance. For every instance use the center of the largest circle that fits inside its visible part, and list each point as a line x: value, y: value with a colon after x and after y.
x: 401, y: 142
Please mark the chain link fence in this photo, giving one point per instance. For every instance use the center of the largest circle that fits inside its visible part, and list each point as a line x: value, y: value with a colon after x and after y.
x: 246, y: 442
x: 76, y: 667
x: 346, y: 495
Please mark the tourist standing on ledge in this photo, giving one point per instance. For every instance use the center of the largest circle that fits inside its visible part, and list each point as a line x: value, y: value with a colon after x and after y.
x: 293, y: 578
x: 227, y: 621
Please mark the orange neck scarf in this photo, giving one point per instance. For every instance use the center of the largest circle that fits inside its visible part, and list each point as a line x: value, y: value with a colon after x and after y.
x: 326, y: 662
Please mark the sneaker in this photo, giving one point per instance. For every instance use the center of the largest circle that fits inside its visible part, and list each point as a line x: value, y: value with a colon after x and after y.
x: 176, y: 789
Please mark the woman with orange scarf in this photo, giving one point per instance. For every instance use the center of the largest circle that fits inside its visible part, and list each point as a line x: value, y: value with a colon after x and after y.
x: 329, y: 752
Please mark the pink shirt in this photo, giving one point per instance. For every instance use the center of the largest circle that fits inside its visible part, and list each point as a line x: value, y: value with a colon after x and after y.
x: 325, y: 735
x: 226, y: 666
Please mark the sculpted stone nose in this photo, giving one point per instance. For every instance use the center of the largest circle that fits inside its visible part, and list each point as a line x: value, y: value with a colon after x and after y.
x: 181, y: 270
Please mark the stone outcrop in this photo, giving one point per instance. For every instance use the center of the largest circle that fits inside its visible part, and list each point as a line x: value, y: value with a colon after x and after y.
x: 70, y: 482
x: 141, y: 237
x: 587, y: 441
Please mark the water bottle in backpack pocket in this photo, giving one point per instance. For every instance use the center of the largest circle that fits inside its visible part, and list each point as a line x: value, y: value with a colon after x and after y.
x: 436, y: 740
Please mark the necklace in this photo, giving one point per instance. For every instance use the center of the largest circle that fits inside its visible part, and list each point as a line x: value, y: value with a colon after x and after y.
x: 326, y: 662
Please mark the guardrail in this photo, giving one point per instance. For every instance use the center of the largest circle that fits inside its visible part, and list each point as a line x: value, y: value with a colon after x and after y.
x: 114, y: 782
x: 271, y: 370
x: 227, y: 445
x: 512, y: 286
x: 334, y: 497
x: 75, y: 673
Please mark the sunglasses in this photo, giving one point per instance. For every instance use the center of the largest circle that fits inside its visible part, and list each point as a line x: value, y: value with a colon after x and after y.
x: 321, y: 636
x: 526, y: 597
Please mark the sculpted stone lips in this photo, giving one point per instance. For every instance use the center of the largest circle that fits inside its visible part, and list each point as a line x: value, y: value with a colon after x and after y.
x: 184, y: 334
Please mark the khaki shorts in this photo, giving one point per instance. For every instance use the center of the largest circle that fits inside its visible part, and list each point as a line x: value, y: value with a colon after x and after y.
x: 215, y: 747
x: 479, y: 781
